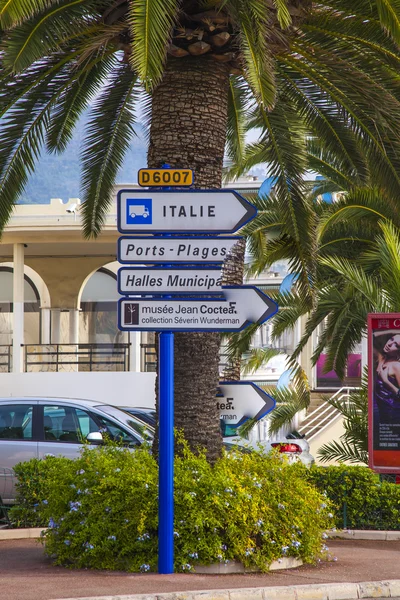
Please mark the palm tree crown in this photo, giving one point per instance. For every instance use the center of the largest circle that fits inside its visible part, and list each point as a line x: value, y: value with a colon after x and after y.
x: 297, y: 68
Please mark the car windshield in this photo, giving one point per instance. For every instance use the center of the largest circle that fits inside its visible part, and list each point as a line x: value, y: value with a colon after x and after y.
x: 145, y: 431
x: 146, y: 417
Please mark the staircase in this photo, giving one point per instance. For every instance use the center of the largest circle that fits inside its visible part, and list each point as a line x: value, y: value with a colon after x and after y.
x: 320, y: 414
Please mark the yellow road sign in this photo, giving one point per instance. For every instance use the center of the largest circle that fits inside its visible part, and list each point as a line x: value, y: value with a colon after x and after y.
x: 165, y: 177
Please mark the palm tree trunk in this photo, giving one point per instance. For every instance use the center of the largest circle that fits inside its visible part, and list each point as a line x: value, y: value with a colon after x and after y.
x: 188, y: 130
x: 233, y: 275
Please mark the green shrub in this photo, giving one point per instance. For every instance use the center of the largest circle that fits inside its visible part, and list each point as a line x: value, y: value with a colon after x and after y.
x: 34, y: 479
x: 358, y: 496
x: 102, y: 510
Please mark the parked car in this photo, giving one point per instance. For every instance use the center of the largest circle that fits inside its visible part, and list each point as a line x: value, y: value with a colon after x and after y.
x: 294, y: 446
x: 148, y: 415
x: 39, y: 427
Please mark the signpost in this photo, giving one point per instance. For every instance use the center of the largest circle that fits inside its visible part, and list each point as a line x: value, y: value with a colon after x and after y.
x: 154, y: 301
x: 194, y: 211
x: 239, y: 401
x: 172, y: 280
x: 186, y: 249
x: 241, y: 307
x: 165, y: 177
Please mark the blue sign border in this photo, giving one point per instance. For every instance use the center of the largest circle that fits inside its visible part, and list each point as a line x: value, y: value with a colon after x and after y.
x: 170, y: 266
x: 138, y: 298
x: 261, y: 414
x: 251, y: 210
x: 157, y: 260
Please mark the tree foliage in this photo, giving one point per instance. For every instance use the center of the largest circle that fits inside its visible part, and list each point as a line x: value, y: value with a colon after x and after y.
x: 300, y: 71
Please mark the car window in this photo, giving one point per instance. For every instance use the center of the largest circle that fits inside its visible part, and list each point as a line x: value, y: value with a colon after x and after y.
x: 16, y: 422
x: 67, y: 424
x: 144, y: 430
x: 116, y: 433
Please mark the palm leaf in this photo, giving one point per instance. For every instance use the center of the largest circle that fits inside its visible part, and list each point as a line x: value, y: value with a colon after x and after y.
x: 14, y: 12
x: 38, y: 37
x: 74, y: 101
x: 151, y: 23
x: 111, y: 119
x: 237, y: 104
x: 282, y: 13
x: 252, y: 21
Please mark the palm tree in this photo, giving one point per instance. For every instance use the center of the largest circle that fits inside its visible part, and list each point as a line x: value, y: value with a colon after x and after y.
x: 292, y: 67
x: 353, y: 444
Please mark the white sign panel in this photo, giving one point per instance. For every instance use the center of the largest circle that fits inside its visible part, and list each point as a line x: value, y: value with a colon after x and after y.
x: 238, y: 401
x: 156, y: 280
x: 194, y: 211
x: 150, y: 249
x: 243, y: 306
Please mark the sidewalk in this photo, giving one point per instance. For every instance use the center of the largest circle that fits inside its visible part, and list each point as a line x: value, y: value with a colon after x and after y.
x: 26, y: 574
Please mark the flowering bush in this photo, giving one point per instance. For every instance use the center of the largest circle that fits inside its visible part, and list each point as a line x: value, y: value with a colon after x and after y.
x: 101, y: 510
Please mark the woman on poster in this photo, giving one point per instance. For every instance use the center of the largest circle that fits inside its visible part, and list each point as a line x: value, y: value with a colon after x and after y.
x: 387, y: 381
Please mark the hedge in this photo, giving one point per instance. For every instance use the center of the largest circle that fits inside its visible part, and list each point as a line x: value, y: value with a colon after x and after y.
x: 360, y: 499
x: 102, y: 509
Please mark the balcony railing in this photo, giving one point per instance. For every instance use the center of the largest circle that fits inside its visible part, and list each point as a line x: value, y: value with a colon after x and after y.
x: 148, y: 358
x: 76, y: 357
x: 5, y: 358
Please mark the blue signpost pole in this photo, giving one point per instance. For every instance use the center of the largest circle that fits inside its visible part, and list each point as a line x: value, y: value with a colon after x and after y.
x: 166, y: 455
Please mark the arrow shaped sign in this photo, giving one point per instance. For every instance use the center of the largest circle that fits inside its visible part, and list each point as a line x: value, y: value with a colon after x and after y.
x: 134, y: 281
x: 239, y: 401
x: 240, y: 307
x: 194, y: 211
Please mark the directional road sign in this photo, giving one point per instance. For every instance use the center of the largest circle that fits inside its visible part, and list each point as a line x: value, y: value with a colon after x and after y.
x: 163, y: 280
x: 194, y: 211
x: 239, y: 401
x: 242, y: 306
x: 165, y: 177
x: 150, y: 249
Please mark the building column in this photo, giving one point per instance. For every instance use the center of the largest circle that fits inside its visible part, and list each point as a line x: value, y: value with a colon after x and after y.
x: 18, y: 308
x: 73, y: 325
x: 135, y: 351
x: 55, y: 326
x: 45, y: 325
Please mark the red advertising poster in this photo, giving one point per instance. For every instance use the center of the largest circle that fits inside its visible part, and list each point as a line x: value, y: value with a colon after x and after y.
x: 384, y: 392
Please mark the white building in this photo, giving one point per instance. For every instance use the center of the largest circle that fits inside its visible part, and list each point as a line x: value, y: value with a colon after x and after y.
x: 58, y: 316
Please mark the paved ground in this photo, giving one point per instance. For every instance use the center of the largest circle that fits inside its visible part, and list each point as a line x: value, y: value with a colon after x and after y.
x: 25, y: 574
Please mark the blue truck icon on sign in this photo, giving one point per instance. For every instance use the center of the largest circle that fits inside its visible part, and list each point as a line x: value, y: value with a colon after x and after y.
x: 138, y: 211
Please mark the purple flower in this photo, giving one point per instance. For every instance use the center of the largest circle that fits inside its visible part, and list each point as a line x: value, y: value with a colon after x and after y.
x: 88, y: 546
x: 74, y: 506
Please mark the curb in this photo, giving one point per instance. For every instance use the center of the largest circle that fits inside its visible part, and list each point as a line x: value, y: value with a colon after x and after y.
x: 365, y: 534
x: 344, y: 534
x: 20, y: 534
x: 325, y: 591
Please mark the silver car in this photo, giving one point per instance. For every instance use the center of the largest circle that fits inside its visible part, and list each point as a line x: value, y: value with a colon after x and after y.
x: 39, y: 427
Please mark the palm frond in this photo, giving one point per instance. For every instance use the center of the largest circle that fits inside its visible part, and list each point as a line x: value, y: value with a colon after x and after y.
x: 342, y: 452
x: 14, y: 12
x: 37, y: 37
x: 238, y: 101
x: 151, y: 23
x: 112, y: 119
x: 252, y: 21
x: 282, y: 13
x: 74, y: 101
x: 257, y: 358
